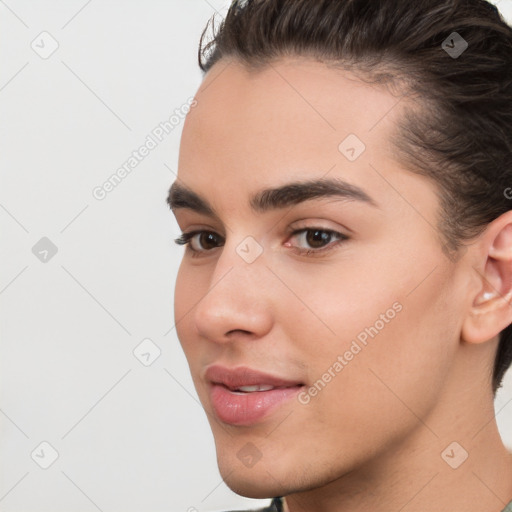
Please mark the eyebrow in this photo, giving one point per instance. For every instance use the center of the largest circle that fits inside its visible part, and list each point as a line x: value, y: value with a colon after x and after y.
x: 269, y: 199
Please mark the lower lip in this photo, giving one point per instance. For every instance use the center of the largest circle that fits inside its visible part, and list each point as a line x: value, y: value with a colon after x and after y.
x: 248, y: 408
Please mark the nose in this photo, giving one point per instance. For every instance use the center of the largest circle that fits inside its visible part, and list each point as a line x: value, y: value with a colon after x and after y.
x: 238, y: 300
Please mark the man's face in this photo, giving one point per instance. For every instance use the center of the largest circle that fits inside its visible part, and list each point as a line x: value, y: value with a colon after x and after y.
x: 362, y: 330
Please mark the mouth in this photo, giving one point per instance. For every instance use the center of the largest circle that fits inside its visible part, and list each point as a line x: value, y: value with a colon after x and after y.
x: 243, y: 396
x: 242, y: 390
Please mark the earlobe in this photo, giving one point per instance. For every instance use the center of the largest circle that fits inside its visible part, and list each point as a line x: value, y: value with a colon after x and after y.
x: 491, y: 309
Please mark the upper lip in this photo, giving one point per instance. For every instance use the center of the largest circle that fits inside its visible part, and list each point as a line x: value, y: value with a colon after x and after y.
x: 234, y: 378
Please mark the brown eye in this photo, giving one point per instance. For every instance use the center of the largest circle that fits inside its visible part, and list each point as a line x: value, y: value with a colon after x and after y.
x: 317, y: 241
x: 317, y: 238
x: 207, y: 240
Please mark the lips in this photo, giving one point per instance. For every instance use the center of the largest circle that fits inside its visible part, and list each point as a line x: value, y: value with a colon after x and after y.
x: 240, y: 377
x: 243, y: 396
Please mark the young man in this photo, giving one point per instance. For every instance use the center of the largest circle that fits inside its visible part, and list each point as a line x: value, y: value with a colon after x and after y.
x: 343, y: 300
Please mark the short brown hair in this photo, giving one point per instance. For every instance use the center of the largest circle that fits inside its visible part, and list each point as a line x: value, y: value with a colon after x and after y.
x: 461, y: 136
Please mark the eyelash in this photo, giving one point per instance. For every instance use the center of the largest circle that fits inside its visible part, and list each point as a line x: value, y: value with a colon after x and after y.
x: 185, y: 238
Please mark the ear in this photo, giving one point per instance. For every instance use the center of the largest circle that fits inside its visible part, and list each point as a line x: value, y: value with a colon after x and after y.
x: 491, y: 310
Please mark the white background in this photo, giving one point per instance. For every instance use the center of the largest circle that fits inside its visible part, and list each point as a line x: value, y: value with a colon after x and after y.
x: 129, y: 437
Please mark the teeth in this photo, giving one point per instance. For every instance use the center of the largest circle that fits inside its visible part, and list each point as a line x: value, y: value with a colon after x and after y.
x: 251, y: 389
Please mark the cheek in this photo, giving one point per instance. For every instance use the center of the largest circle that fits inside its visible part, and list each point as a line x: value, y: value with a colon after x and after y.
x: 394, y: 323
x: 396, y: 350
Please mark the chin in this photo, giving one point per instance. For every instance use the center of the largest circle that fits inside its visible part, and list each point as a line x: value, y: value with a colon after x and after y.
x: 255, y: 482
x: 252, y: 488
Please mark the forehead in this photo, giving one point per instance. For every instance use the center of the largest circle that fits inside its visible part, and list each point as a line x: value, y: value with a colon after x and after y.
x: 322, y: 97
x: 289, y: 118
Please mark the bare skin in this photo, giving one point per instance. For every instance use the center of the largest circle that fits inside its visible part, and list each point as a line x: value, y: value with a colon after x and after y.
x: 379, y: 435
